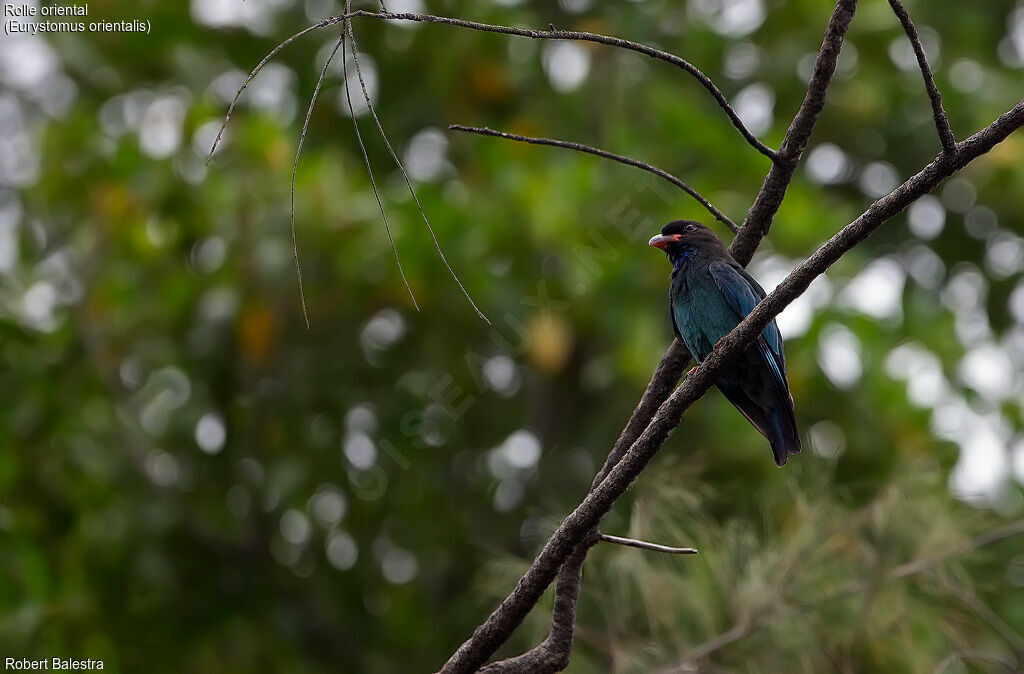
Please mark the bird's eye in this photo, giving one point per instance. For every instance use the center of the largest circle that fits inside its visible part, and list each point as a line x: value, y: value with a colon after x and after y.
x: 691, y: 228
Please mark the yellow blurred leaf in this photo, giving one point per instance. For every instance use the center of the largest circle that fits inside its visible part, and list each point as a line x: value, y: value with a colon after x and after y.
x: 256, y: 332
x: 550, y: 341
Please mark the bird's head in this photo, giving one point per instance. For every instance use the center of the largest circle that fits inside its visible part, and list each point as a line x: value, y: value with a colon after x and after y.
x: 681, y: 238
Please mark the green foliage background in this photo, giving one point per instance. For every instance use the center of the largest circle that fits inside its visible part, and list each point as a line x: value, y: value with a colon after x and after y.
x: 143, y: 293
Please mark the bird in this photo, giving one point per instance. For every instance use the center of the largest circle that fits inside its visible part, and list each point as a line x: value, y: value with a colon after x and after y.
x: 710, y: 293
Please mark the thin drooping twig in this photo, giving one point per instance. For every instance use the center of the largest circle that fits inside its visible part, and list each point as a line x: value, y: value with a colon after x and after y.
x: 754, y: 229
x: 408, y: 183
x: 914, y: 567
x: 295, y: 170
x: 628, y: 161
x: 946, y: 136
x: 571, y: 35
x: 471, y: 655
x: 552, y: 34
x: 369, y: 172
x: 644, y: 545
x: 773, y: 190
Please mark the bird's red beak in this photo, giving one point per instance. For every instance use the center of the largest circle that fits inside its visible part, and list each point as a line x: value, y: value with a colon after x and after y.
x: 661, y: 240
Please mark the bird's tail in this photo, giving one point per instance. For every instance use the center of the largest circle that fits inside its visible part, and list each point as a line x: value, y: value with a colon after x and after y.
x: 785, y: 439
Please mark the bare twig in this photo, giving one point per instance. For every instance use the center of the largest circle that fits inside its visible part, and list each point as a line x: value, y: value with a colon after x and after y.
x: 295, y: 170
x: 644, y: 545
x: 373, y: 183
x: 499, y: 625
x: 938, y: 112
x: 628, y: 161
x: 408, y: 183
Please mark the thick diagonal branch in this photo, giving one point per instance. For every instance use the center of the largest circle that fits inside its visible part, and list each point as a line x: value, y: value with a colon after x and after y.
x: 755, y: 228
x: 938, y: 112
x: 578, y: 524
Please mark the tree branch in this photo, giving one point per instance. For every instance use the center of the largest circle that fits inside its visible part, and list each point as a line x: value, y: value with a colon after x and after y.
x: 628, y: 161
x: 660, y: 409
x: 664, y: 380
x: 552, y: 34
x: 773, y: 190
x: 938, y: 112
x: 576, y: 526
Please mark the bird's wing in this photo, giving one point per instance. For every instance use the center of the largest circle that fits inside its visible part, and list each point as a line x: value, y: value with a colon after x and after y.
x: 672, y: 317
x: 742, y: 293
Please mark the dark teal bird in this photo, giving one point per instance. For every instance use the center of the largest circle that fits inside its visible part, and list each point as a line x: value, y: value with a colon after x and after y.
x: 710, y: 294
